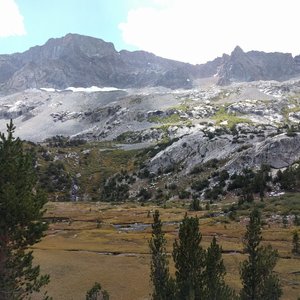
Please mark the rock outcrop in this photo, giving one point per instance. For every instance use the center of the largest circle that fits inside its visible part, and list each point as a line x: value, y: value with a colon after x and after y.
x: 279, y: 151
x: 243, y: 66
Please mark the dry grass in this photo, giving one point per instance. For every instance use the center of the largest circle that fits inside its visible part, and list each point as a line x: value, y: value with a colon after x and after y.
x: 75, y: 250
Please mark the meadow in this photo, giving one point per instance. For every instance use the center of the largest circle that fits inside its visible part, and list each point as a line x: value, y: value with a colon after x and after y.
x: 108, y: 243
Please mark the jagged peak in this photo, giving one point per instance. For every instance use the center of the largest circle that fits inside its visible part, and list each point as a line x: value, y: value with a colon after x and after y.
x: 237, y: 50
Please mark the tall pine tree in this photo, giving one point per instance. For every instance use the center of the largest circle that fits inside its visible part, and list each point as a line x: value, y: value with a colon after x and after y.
x: 21, y: 209
x: 189, y: 258
x: 296, y: 243
x: 160, y: 277
x: 214, y: 283
x: 259, y: 281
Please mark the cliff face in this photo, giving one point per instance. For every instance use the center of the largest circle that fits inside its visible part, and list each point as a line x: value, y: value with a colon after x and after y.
x: 82, y: 61
x: 255, y: 65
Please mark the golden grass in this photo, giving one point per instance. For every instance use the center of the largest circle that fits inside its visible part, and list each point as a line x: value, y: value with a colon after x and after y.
x: 75, y: 252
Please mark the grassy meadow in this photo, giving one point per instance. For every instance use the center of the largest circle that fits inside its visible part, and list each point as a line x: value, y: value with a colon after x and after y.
x: 108, y: 243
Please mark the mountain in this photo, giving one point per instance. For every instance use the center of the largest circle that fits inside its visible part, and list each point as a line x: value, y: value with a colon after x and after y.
x: 82, y: 61
x: 243, y: 66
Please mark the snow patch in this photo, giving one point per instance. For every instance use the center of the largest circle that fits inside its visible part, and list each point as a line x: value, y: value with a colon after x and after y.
x: 92, y: 89
x: 49, y: 89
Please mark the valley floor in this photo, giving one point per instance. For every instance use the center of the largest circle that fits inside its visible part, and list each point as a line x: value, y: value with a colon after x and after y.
x: 89, y: 242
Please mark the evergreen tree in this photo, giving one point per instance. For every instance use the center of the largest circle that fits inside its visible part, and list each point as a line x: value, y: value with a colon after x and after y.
x: 296, y: 244
x: 96, y: 293
x: 189, y: 260
x: 285, y: 221
x: 21, y: 226
x: 296, y: 220
x: 214, y: 284
x: 160, y: 277
x: 259, y: 282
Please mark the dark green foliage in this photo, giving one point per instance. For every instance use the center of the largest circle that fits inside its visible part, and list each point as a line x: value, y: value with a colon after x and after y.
x: 296, y: 220
x: 200, y: 185
x: 249, y: 183
x: 289, y: 179
x: 197, y: 170
x: 144, y: 194
x: 62, y: 141
x: 163, y: 285
x: 260, y: 180
x: 224, y: 175
x: 195, y: 205
x: 258, y: 279
x: 21, y: 210
x: 96, y: 293
x: 172, y: 186
x: 296, y: 243
x: 189, y: 258
x: 214, y: 284
x: 56, y: 179
x: 214, y: 193
x: 116, y: 188
x: 285, y: 220
x: 183, y: 194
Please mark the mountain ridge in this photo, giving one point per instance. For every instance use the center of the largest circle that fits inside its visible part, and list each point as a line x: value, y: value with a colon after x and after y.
x: 82, y: 61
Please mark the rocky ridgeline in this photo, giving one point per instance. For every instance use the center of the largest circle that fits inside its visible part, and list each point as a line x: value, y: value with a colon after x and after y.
x: 81, y: 61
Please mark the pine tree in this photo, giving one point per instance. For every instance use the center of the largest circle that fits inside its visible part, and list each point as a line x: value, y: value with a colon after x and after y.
x: 96, y: 293
x: 259, y: 282
x: 214, y: 284
x: 160, y: 277
x: 189, y: 260
x: 21, y: 226
x: 296, y: 244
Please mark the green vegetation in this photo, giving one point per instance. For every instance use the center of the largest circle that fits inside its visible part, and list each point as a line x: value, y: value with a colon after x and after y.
x: 86, y: 166
x: 221, y: 115
x: 189, y: 259
x: 170, y: 119
x: 55, y: 178
x: 289, y: 179
x: 214, y: 282
x: 96, y: 293
x: 21, y: 226
x: 64, y: 142
x: 129, y: 136
x: 296, y: 243
x: 259, y: 280
x: 163, y: 287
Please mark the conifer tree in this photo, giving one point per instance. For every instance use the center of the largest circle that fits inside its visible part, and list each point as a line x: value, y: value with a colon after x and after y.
x: 189, y: 260
x: 96, y: 293
x: 296, y: 243
x: 160, y: 277
x: 214, y: 284
x: 21, y: 209
x: 258, y: 279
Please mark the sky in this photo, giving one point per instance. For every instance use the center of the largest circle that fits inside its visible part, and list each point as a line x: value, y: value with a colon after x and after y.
x: 193, y: 31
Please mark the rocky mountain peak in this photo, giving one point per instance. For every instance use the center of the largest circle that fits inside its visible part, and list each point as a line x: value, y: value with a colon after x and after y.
x: 243, y: 66
x: 82, y: 61
x: 237, y: 51
x: 71, y: 44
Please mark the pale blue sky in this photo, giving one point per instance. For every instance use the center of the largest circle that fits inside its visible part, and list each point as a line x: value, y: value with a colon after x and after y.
x: 44, y: 19
x: 188, y: 30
